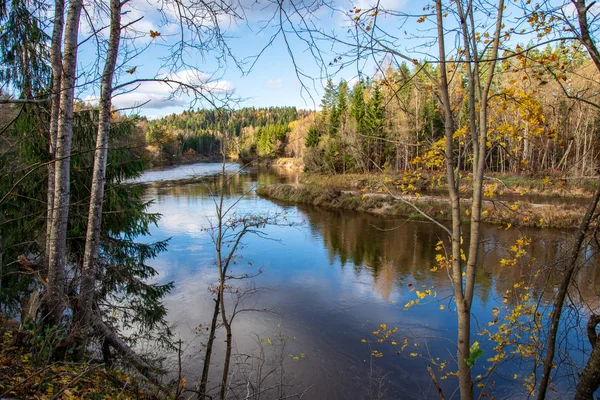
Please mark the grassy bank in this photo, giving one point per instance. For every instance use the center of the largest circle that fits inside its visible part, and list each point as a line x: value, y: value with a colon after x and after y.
x: 495, y: 212
x: 26, y: 372
x: 509, y: 184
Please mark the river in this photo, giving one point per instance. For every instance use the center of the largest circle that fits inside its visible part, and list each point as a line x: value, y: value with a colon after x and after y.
x: 326, y: 283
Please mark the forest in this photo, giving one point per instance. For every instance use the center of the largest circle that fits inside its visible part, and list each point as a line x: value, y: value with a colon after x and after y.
x: 391, y: 122
x: 444, y: 105
x: 246, y: 133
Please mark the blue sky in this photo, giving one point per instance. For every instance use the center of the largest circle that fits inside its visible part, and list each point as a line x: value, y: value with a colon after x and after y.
x: 272, y: 81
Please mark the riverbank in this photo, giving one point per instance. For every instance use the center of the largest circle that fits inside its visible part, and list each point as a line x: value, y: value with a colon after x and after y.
x: 286, y: 163
x: 419, y: 207
x: 505, y: 184
x: 27, y: 372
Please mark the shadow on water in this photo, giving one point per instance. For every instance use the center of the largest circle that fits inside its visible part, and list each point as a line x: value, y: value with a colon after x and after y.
x: 330, y: 281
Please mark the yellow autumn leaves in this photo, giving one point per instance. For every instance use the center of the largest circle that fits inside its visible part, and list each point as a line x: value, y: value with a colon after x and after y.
x: 517, y: 251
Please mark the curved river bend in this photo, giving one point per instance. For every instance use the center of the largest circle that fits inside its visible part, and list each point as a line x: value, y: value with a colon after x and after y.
x: 328, y: 282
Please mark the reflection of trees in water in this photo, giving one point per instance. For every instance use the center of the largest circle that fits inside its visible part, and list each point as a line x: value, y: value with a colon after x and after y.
x: 395, y: 250
x: 237, y: 184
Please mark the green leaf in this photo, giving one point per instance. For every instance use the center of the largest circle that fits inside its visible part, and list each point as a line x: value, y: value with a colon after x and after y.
x: 474, y: 353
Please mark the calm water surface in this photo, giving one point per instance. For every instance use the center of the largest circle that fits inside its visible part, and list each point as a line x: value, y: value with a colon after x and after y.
x: 328, y: 282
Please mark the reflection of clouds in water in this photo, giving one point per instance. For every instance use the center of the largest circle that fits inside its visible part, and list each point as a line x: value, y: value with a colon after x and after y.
x: 163, y: 268
x: 184, y: 171
x: 335, y: 278
x: 183, y: 224
x: 194, y: 247
x: 322, y: 317
x: 188, y: 249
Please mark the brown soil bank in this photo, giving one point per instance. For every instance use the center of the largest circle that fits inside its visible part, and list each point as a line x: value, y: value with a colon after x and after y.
x: 285, y: 163
x: 509, y: 213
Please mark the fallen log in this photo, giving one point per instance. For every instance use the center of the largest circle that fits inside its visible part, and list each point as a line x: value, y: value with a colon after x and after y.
x: 112, y: 339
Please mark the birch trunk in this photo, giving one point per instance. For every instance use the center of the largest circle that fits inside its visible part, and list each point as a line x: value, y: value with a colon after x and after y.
x: 464, y: 318
x: 55, y: 57
x: 479, y: 166
x: 53, y: 302
x: 92, y: 240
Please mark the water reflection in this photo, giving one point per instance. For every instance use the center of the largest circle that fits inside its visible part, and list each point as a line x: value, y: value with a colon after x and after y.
x: 397, y: 251
x: 332, y: 280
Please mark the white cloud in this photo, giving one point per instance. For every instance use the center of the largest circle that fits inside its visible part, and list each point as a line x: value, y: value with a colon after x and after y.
x: 158, y: 95
x: 352, y: 81
x: 275, y: 83
x: 384, y: 4
x: 147, y: 100
x: 202, y: 80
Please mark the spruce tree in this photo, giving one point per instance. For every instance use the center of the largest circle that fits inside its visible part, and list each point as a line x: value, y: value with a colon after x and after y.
x: 23, y: 48
x: 376, y: 122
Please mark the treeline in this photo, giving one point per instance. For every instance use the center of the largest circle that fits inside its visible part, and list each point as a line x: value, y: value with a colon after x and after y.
x: 393, y: 122
x: 250, y: 132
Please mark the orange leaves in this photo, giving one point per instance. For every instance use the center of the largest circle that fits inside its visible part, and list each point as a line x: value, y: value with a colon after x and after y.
x: 154, y: 34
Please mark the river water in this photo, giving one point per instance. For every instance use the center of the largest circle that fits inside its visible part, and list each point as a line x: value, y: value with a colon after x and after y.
x: 327, y: 283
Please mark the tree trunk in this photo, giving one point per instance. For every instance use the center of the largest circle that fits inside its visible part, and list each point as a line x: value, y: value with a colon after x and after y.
x: 464, y: 317
x: 563, y: 290
x: 228, y: 344
x: 209, y: 348
x: 55, y: 57
x: 571, y: 266
x: 589, y: 381
x: 92, y: 240
x: 111, y: 338
x: 53, y: 302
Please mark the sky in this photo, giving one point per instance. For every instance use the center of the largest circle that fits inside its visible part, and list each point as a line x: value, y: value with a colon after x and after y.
x: 287, y: 73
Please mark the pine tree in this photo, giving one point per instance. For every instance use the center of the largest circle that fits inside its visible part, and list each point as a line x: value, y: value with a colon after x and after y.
x: 358, y: 135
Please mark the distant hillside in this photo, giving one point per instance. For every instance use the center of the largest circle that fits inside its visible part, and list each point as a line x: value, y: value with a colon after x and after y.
x: 251, y: 132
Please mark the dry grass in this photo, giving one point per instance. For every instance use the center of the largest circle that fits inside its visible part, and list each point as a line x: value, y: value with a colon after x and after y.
x: 495, y: 212
x: 542, y: 185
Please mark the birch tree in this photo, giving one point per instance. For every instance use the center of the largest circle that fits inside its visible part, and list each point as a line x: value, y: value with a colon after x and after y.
x: 478, y: 125
x: 54, y: 297
x: 55, y: 59
x: 90, y: 257
x: 372, y: 39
